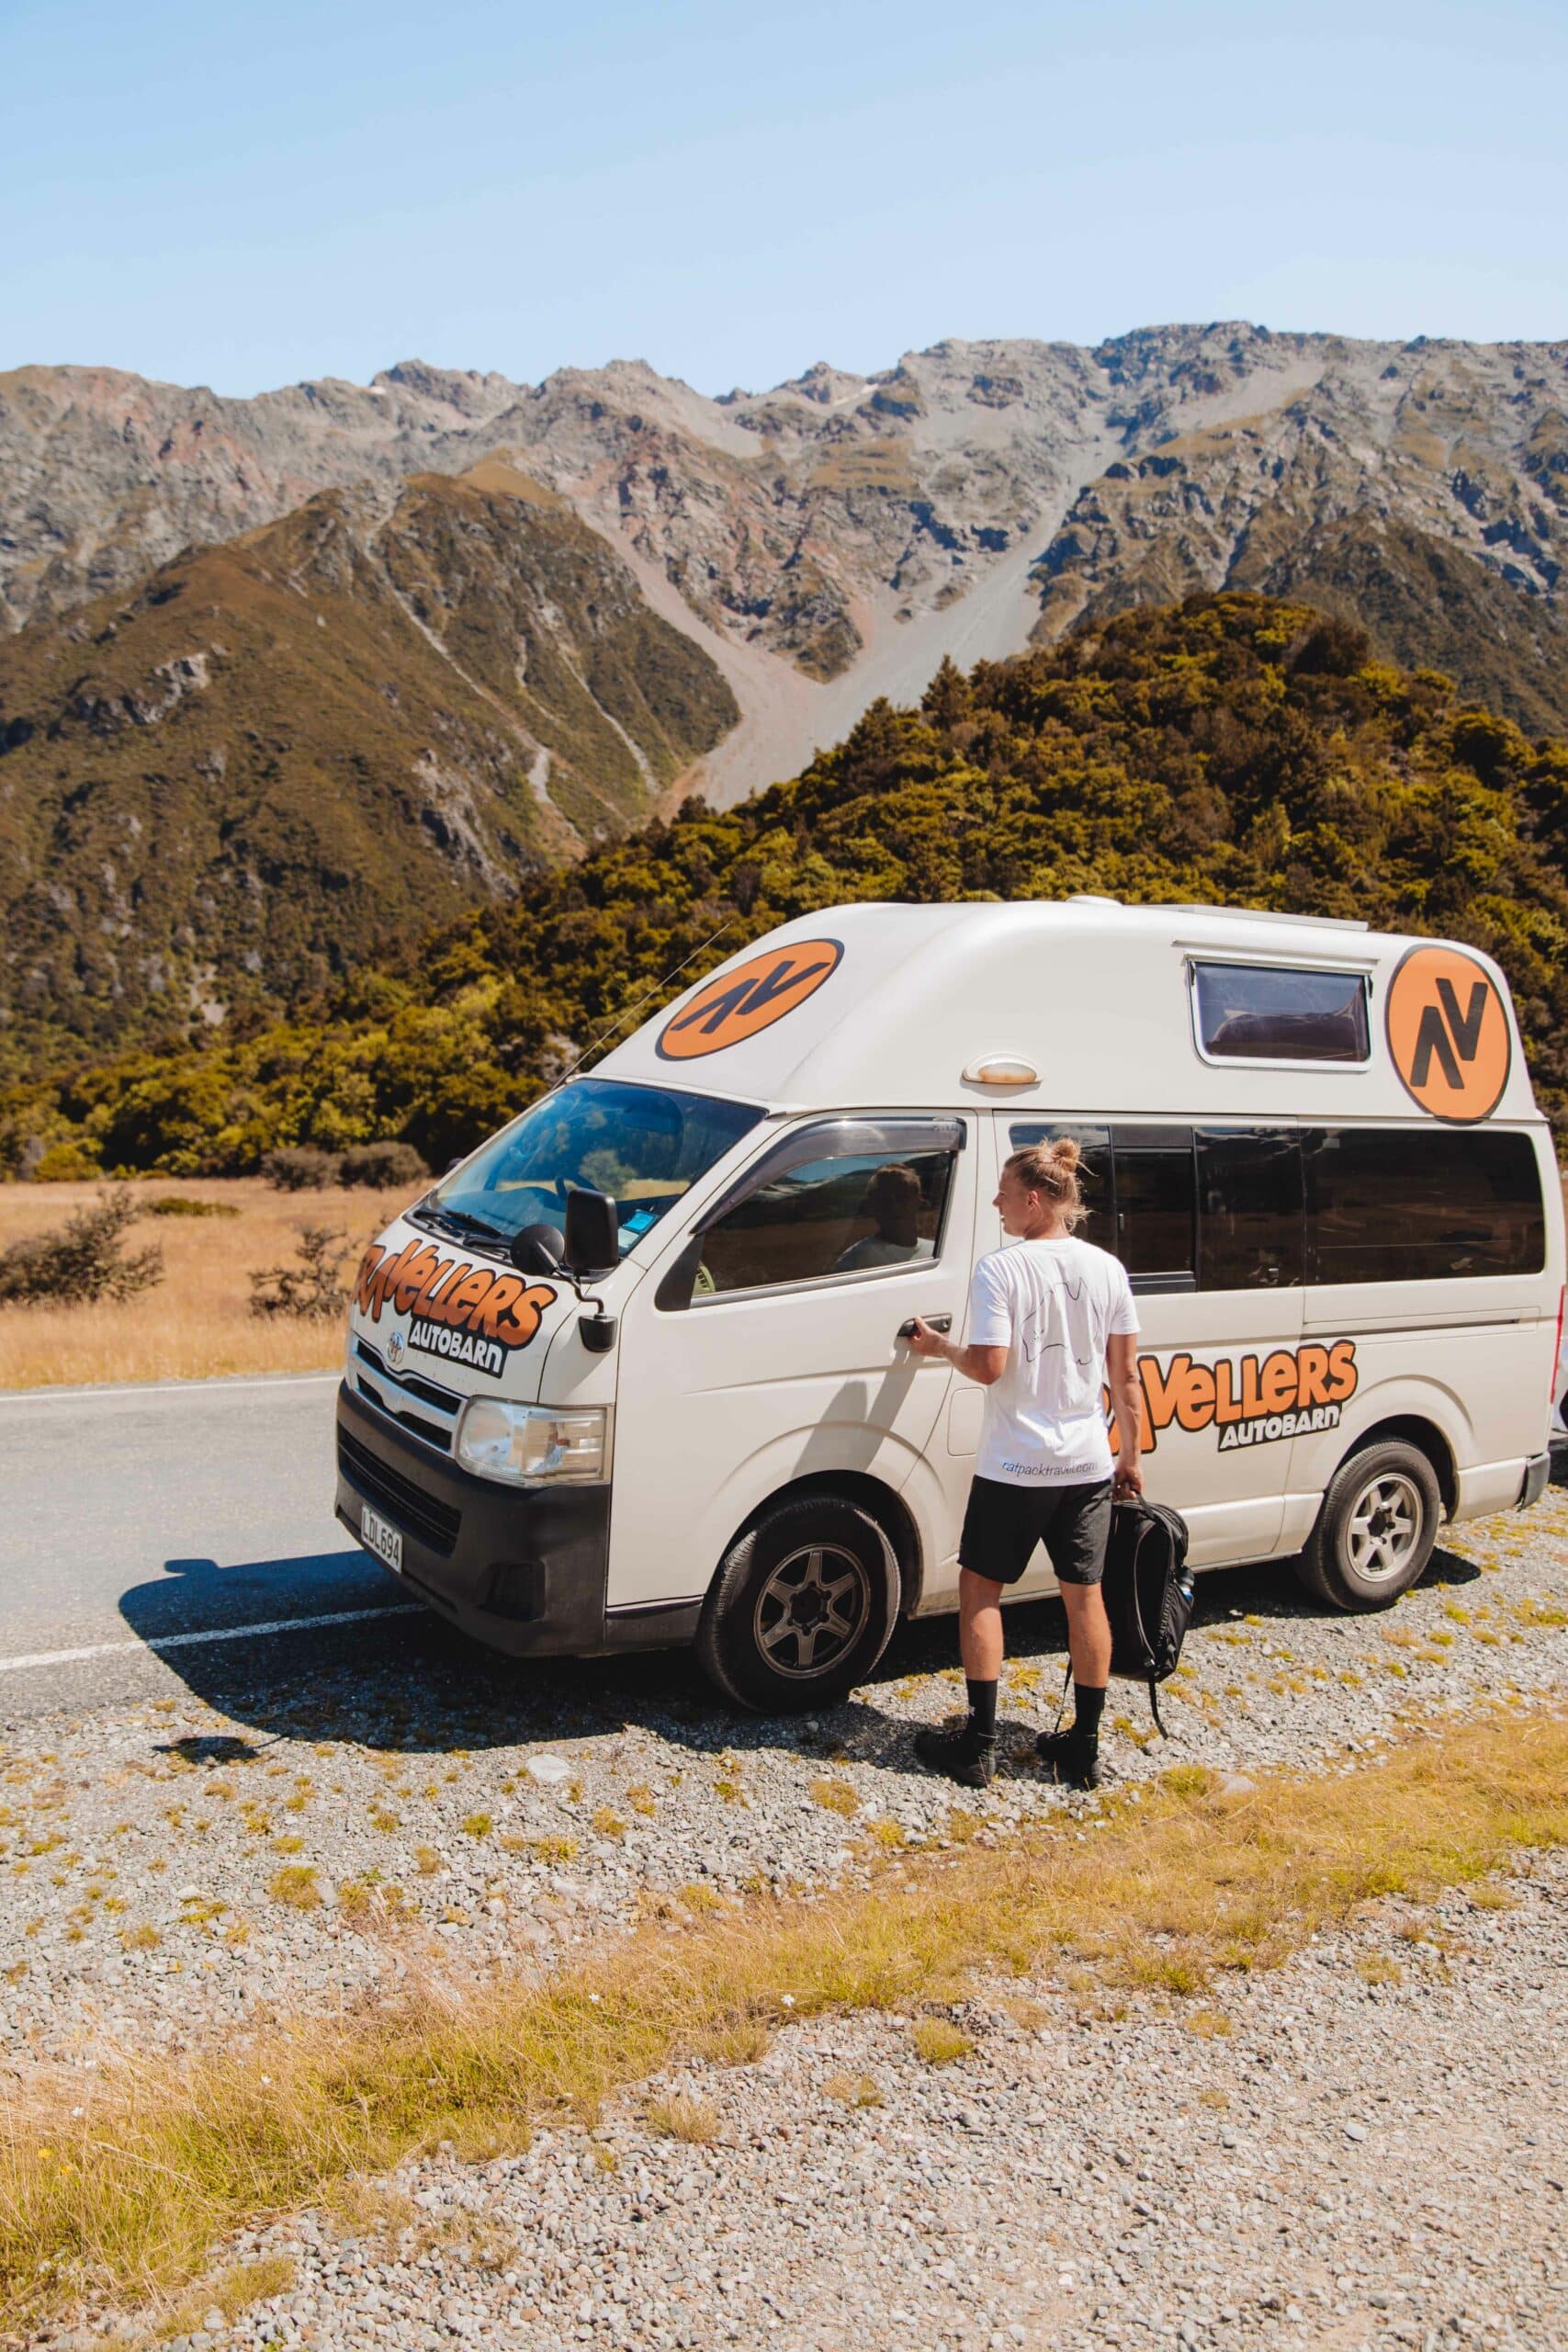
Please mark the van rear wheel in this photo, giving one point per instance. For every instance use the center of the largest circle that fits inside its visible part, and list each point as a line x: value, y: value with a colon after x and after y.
x: 802, y: 1607
x: 1375, y: 1532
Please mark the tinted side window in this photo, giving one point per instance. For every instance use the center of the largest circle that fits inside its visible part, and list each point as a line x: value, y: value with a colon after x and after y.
x: 1262, y: 1013
x: 843, y: 1214
x: 1154, y: 1202
x: 1395, y: 1204
x: 1249, y: 1209
x: 1094, y: 1170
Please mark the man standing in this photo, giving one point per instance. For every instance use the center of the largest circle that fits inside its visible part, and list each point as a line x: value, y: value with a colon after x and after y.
x: 1051, y: 1322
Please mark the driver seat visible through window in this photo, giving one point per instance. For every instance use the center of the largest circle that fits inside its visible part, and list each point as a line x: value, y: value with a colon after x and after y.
x: 848, y: 1198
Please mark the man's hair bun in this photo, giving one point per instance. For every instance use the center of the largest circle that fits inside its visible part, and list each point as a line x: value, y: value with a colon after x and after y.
x: 1052, y: 1169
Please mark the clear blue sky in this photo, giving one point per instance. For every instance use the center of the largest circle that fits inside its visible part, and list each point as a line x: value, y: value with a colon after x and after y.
x: 244, y: 195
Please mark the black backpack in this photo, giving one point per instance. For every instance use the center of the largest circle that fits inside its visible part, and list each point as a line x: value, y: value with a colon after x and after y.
x: 1148, y: 1593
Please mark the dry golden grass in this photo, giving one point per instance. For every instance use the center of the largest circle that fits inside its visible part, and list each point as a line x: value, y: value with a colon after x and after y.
x: 853, y: 2090
x: 939, y: 2041
x: 676, y: 2117
x: 835, y: 1796
x: 197, y: 1321
x: 121, y: 2187
x: 232, y: 2291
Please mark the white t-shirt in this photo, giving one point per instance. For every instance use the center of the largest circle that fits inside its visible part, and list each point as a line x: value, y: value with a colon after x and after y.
x: 1053, y: 1304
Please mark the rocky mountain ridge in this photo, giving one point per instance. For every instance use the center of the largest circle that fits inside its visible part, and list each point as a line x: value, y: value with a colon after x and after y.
x: 831, y: 538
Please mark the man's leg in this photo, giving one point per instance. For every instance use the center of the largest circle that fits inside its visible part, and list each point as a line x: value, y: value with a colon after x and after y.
x: 968, y: 1752
x: 1089, y: 1634
x: 1072, y: 1754
x: 980, y: 1641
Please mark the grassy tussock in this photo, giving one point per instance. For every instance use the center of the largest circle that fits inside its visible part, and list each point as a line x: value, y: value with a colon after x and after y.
x: 939, y: 2041
x: 128, y: 2194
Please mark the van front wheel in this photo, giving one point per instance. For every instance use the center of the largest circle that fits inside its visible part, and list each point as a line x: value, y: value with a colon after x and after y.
x: 802, y: 1607
x: 1375, y: 1532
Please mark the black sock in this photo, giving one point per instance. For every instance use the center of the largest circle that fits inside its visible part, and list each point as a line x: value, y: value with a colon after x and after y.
x: 983, y: 1709
x: 1089, y: 1706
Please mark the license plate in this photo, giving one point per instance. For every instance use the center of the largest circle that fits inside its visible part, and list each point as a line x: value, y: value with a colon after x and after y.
x: 379, y: 1535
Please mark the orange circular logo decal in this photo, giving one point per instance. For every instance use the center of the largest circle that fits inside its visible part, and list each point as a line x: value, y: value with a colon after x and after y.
x: 1448, y: 1031
x: 750, y: 997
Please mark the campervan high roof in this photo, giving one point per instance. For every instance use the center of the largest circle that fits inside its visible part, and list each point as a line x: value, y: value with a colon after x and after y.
x: 1082, y: 1006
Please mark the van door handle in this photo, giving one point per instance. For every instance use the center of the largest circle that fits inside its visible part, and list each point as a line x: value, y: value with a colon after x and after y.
x: 932, y: 1322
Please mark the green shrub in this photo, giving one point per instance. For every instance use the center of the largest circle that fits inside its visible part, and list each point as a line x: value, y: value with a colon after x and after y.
x: 311, y: 1289
x: 389, y: 1166
x: 185, y: 1204
x: 83, y: 1261
x: 300, y: 1168
x: 65, y: 1164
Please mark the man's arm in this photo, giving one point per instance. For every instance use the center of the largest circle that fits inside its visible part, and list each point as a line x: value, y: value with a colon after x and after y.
x: 1126, y: 1405
x: 984, y: 1365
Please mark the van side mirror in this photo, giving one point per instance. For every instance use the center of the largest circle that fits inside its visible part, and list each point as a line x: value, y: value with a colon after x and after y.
x: 537, y: 1250
x: 592, y: 1234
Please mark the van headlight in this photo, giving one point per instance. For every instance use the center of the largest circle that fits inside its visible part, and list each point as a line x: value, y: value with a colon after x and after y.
x: 522, y: 1443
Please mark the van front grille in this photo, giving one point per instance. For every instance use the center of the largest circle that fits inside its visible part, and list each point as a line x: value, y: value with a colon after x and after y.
x: 435, y: 1524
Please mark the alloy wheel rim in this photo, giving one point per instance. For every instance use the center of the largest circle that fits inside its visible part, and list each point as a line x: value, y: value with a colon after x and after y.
x: 1386, y: 1523
x: 812, y: 1610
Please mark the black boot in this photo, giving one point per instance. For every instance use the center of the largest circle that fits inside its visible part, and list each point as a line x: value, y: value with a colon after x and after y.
x: 961, y: 1751
x: 1071, y: 1757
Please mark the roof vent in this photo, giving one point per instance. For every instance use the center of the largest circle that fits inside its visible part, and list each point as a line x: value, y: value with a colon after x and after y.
x: 1001, y: 1069
x: 1091, y: 899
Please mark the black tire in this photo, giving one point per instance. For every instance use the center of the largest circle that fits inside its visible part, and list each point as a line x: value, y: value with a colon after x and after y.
x: 803, y: 1606
x: 1375, y: 1532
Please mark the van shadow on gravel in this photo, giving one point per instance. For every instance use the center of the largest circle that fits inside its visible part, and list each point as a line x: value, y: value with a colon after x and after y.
x: 410, y: 1683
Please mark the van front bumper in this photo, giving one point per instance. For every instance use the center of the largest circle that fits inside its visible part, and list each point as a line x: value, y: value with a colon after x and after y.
x: 522, y: 1569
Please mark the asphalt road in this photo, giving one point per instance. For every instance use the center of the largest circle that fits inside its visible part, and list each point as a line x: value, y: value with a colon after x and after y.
x: 146, y: 1525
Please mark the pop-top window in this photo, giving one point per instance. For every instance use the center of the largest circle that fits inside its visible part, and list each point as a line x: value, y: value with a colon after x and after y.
x: 1263, y: 1012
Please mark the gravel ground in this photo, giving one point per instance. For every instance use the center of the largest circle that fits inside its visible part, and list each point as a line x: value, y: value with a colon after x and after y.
x: 1363, y: 2148
x: 275, y: 1844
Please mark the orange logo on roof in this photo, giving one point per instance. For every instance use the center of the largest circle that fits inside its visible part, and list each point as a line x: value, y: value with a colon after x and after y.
x: 1448, y: 1031
x: 748, y: 998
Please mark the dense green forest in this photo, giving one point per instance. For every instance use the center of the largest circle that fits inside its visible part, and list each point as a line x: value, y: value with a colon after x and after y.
x: 1234, y: 748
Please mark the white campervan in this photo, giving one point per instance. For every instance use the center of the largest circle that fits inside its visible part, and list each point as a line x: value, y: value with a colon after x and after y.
x: 633, y: 1375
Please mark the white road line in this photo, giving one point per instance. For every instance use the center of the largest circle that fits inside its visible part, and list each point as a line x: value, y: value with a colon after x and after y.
x: 223, y: 1386
x: 219, y: 1634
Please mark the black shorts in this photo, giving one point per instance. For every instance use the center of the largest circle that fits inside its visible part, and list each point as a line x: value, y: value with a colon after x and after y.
x: 1004, y: 1523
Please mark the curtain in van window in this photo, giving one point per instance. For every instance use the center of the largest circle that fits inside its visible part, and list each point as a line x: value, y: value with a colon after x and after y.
x: 1263, y: 1012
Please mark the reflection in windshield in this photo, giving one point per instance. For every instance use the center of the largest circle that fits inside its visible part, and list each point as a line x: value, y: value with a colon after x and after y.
x: 641, y: 1144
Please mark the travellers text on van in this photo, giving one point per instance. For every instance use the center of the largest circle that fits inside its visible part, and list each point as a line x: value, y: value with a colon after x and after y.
x: 468, y: 1314
x: 1250, y: 1400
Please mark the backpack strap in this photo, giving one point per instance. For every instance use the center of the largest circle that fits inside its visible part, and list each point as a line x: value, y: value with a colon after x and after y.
x: 1148, y: 1648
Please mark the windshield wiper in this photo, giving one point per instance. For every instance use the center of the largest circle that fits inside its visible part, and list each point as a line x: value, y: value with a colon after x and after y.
x: 462, y: 1222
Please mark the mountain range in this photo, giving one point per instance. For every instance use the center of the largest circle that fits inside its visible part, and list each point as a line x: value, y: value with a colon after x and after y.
x: 285, y: 676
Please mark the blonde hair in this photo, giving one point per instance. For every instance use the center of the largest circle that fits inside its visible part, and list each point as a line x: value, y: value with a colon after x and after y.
x: 1052, y: 1169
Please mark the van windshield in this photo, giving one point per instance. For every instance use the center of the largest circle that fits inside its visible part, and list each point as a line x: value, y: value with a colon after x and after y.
x: 640, y: 1144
